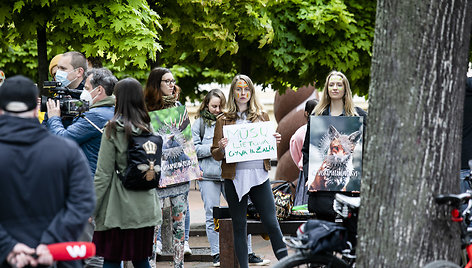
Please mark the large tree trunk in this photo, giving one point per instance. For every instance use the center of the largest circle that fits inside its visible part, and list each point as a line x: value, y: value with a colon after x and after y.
x: 412, y: 148
x: 43, y: 64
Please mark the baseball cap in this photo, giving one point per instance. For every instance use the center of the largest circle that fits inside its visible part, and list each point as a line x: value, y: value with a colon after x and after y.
x: 18, y: 94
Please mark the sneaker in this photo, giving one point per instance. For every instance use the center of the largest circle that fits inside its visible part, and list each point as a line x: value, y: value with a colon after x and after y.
x: 159, y: 247
x: 152, y: 262
x: 254, y: 260
x: 187, y: 250
x: 216, y: 260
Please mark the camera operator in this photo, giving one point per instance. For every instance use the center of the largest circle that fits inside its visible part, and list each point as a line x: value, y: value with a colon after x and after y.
x: 86, y: 129
x: 71, y: 69
x: 46, y: 189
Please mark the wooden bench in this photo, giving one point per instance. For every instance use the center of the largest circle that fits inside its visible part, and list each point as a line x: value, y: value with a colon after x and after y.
x: 227, y: 255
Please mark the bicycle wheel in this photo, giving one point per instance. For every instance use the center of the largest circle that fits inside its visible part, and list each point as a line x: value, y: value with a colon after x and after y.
x: 301, y: 259
x: 441, y: 264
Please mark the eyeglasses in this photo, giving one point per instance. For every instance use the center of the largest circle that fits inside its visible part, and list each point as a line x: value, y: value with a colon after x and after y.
x: 169, y: 81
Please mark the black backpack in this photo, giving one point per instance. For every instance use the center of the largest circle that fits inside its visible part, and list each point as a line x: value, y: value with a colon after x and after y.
x: 322, y: 236
x: 144, y: 163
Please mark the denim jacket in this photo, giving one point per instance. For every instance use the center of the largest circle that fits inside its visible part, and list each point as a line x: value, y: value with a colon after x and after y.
x: 210, y: 167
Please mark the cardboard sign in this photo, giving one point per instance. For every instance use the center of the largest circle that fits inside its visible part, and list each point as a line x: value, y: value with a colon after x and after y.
x: 179, y: 159
x: 252, y: 141
x: 335, y: 153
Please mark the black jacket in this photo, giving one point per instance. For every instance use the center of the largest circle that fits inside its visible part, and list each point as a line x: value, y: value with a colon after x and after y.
x: 46, y: 189
x: 467, y: 126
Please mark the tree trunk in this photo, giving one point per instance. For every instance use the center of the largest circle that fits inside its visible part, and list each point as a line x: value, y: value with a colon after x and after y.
x: 43, y: 65
x: 413, y: 134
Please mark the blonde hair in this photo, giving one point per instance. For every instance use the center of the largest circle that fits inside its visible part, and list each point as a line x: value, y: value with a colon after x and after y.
x: 325, y: 101
x: 254, y: 110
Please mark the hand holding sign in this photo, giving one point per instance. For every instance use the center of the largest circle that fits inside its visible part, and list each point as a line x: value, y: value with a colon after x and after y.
x: 278, y: 137
x: 222, y: 143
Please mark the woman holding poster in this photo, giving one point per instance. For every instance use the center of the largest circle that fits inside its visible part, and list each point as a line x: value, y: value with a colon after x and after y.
x: 211, y: 184
x: 249, y: 178
x: 160, y: 93
x: 336, y: 100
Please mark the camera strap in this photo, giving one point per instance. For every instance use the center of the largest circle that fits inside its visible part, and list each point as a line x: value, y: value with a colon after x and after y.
x: 91, y: 123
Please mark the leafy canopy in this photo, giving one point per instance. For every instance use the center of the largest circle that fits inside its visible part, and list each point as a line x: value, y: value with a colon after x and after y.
x: 282, y: 43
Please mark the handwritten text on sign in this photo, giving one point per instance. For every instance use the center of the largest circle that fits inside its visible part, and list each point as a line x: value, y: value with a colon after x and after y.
x: 250, y: 142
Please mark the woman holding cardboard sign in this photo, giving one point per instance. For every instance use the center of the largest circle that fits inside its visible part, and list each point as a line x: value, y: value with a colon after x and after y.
x: 249, y: 178
x: 211, y: 184
x: 336, y: 100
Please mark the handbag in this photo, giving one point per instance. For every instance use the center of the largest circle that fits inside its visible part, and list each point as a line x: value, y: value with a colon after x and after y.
x: 283, y: 198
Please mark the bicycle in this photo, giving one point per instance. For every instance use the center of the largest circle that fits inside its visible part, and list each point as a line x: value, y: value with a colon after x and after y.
x: 456, y: 201
x: 464, y: 219
x: 346, y: 209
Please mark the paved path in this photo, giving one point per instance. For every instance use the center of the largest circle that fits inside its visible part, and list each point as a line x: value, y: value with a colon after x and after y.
x: 197, y: 219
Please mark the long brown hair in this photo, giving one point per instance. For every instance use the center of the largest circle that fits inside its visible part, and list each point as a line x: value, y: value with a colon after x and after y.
x: 213, y: 93
x: 254, y: 109
x: 129, y: 109
x: 153, y: 93
x: 325, y: 101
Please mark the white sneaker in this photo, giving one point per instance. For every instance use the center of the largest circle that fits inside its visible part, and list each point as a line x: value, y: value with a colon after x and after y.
x: 159, y: 247
x: 187, y: 250
x: 152, y: 262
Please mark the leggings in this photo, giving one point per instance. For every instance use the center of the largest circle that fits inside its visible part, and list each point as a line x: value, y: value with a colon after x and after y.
x: 178, y: 211
x: 263, y: 199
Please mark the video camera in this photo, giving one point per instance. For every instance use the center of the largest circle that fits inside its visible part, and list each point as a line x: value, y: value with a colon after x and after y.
x: 69, y: 99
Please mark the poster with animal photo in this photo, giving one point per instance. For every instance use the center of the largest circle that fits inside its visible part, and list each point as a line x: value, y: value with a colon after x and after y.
x: 179, y: 159
x: 335, y: 153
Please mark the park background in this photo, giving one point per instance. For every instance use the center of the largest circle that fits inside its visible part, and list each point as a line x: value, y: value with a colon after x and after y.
x: 413, y: 73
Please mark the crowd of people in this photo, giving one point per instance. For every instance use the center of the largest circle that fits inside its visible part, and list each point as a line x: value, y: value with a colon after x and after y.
x: 87, y: 201
x: 125, y: 224
x: 60, y: 179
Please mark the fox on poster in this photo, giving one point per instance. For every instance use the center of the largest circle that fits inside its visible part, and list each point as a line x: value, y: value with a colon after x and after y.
x: 335, y: 153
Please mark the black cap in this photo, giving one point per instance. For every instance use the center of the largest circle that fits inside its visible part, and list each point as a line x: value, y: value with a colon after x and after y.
x: 18, y: 94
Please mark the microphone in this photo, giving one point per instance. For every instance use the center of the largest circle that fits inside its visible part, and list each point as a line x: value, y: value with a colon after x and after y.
x: 69, y: 251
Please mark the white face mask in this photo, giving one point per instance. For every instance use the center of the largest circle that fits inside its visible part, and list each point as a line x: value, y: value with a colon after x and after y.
x: 87, y: 96
x: 61, y: 76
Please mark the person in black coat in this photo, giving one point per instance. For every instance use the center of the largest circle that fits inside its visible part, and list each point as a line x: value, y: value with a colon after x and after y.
x: 46, y: 188
x: 466, y: 135
x: 336, y: 100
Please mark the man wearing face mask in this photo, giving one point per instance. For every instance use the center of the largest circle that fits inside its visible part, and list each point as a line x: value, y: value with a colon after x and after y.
x: 71, y: 69
x: 86, y: 130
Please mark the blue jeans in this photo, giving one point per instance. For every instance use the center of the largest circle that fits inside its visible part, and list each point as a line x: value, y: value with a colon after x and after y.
x: 211, y: 192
